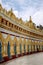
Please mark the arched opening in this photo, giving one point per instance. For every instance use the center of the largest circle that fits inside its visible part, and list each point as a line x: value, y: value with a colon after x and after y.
x: 24, y: 49
x: 15, y: 49
x: 1, y: 58
x: 8, y: 50
x: 42, y: 47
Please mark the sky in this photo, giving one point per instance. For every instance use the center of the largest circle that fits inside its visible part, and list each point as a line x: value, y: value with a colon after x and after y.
x: 25, y: 9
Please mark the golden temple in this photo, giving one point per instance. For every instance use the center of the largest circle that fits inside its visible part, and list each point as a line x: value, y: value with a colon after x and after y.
x: 18, y: 38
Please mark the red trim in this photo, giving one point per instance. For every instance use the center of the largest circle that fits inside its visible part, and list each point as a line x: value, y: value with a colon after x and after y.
x: 14, y: 35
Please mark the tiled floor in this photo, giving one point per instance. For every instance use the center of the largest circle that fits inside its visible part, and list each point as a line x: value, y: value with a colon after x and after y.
x: 35, y: 59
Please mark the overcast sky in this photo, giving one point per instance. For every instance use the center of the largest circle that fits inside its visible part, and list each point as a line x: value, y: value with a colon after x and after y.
x: 26, y: 8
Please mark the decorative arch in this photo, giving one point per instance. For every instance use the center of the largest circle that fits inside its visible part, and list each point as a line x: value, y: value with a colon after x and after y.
x: 15, y: 45
x: 8, y: 39
x: 24, y: 45
x: 20, y: 45
x: 15, y: 40
x: 24, y: 41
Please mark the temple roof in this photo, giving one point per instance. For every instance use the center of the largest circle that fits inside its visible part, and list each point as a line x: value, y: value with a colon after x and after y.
x: 12, y: 16
x: 30, y: 23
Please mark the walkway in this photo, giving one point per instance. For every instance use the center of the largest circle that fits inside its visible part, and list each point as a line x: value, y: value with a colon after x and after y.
x: 34, y: 59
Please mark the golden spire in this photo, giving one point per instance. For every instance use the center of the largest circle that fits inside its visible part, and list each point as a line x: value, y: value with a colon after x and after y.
x: 30, y: 17
x: 30, y: 20
x: 11, y: 10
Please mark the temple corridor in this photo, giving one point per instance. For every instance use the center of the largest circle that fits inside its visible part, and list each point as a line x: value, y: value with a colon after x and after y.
x: 21, y: 42
x: 34, y: 59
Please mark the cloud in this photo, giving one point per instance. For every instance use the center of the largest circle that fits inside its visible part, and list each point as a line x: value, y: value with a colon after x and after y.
x: 4, y: 6
x: 38, y: 17
x: 21, y: 2
x: 0, y: 1
x: 16, y: 13
x: 29, y: 11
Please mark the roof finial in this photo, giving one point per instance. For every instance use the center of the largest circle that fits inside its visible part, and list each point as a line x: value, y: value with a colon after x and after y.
x: 11, y: 10
x: 30, y: 17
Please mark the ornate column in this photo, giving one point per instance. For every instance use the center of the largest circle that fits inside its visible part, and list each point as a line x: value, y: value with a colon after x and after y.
x: 34, y: 46
x: 3, y: 53
x: 6, y: 49
x: 20, y: 45
x: 37, y: 46
x: 24, y: 46
x: 20, y: 48
x: 31, y: 46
